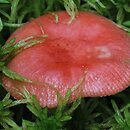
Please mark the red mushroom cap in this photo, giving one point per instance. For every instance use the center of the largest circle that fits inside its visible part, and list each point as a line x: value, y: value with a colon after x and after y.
x: 90, y: 43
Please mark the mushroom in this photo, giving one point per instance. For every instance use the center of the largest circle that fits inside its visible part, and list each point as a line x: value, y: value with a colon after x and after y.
x: 91, y: 44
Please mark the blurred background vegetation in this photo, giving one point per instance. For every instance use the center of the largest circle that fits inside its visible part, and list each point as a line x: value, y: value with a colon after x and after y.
x: 107, y: 113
